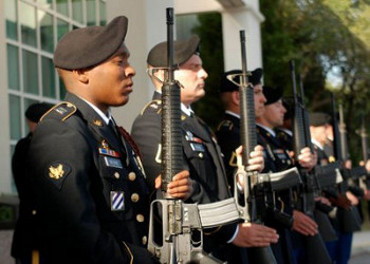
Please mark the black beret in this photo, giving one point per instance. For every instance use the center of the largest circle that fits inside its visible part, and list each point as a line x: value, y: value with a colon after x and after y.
x: 183, y: 50
x: 319, y: 119
x: 86, y: 47
x: 35, y: 111
x: 255, y: 78
x: 272, y: 94
x: 228, y: 86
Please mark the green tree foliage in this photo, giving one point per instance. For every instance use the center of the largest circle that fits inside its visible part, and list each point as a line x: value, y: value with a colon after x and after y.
x: 211, y: 51
x: 325, y: 38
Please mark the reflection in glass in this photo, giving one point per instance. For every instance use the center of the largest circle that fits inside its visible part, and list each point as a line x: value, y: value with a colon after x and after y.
x: 15, y: 117
x: 46, y: 3
x: 46, y: 31
x: 48, y: 78
x: 77, y: 11
x: 11, y: 19
x: 26, y: 103
x: 91, y: 12
x: 13, y: 67
x: 62, y: 7
x: 30, y: 76
x: 62, y: 28
x: 103, y: 14
x: 27, y: 19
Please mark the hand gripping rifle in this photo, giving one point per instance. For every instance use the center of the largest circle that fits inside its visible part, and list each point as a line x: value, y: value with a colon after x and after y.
x: 316, y: 251
x: 179, y: 220
x: 248, y: 139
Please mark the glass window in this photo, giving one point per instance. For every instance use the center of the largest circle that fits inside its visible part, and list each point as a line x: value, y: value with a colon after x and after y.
x: 62, y: 28
x: 46, y: 31
x: 30, y: 72
x: 12, y: 183
x: 62, y: 7
x: 46, y: 3
x: 77, y: 13
x: 15, y: 117
x: 13, y: 67
x: 48, y: 77
x: 27, y: 19
x: 103, y: 15
x: 11, y: 19
x: 91, y: 12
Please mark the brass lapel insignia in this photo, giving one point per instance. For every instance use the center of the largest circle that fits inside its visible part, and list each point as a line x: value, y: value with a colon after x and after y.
x: 56, y: 172
x: 98, y: 123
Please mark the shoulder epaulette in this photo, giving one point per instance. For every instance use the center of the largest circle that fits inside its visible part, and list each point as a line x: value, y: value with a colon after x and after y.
x: 154, y: 106
x: 61, y: 111
x: 227, y: 124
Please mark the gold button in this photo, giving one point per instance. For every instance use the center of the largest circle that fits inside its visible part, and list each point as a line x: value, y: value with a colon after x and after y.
x: 135, y: 197
x: 34, y: 212
x: 200, y: 155
x: 132, y: 176
x: 140, y: 218
x: 144, y: 239
x: 116, y: 175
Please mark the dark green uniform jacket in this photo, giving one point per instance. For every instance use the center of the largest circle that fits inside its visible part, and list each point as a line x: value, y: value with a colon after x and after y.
x: 89, y: 194
x: 202, y: 158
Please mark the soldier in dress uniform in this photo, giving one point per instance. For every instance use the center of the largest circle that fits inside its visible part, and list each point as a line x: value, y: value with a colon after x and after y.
x: 89, y: 197
x: 201, y: 152
x: 276, y: 157
x: 322, y: 134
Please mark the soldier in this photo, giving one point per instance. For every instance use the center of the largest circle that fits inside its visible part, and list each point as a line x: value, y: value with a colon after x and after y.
x: 89, y: 196
x: 276, y: 157
x: 201, y: 151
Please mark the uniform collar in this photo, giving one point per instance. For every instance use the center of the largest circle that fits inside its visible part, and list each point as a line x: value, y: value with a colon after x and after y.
x: 187, y: 110
x: 272, y: 132
x: 232, y: 114
x: 99, y: 112
x: 317, y: 143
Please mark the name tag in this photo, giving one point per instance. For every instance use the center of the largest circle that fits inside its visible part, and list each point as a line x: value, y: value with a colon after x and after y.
x: 113, y: 162
x: 197, y: 147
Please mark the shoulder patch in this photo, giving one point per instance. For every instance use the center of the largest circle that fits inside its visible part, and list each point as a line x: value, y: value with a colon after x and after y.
x: 153, y: 106
x: 225, y: 124
x: 57, y: 173
x: 62, y: 110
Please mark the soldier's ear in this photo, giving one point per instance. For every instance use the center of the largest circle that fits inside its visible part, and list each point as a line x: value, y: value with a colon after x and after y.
x: 81, y: 75
x: 235, y: 98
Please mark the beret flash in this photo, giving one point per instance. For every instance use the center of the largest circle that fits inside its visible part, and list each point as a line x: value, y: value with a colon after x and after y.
x: 272, y: 94
x: 228, y: 86
x: 86, y: 47
x: 183, y: 50
x: 319, y: 119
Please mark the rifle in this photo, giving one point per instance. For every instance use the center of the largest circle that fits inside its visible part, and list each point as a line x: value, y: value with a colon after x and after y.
x: 181, y: 239
x: 349, y: 219
x: 365, y: 152
x: 316, y: 251
x: 248, y: 140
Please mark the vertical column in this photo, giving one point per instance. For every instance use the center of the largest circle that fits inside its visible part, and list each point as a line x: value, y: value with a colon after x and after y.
x: 146, y: 27
x: 233, y: 21
x: 5, y: 176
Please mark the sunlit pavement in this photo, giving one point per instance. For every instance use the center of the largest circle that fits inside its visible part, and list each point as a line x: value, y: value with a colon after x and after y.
x: 361, y: 248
